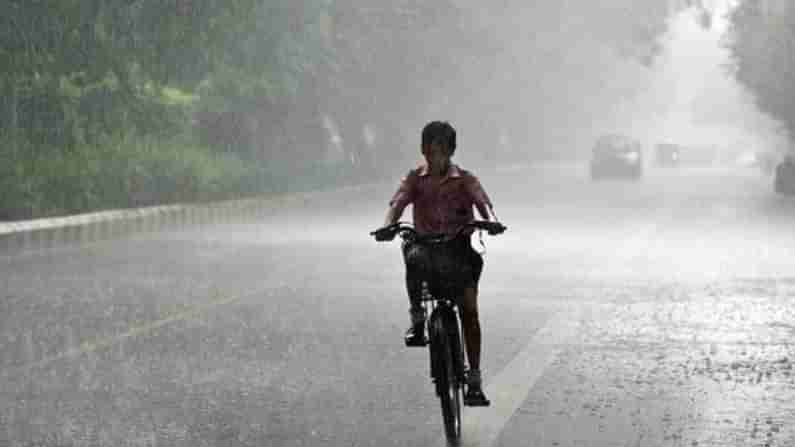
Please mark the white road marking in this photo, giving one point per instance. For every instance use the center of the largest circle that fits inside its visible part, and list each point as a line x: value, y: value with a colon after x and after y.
x: 142, y: 329
x: 510, y: 387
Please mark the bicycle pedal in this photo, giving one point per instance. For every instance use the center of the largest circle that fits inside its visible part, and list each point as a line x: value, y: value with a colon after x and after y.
x: 416, y: 342
x: 477, y: 402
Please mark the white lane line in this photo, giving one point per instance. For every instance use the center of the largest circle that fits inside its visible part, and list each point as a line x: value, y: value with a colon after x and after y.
x: 510, y: 387
x: 106, y: 342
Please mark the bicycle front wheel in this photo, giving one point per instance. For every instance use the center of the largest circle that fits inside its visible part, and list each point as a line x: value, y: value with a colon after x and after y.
x: 448, y: 387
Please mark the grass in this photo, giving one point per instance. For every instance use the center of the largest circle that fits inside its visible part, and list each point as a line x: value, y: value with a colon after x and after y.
x: 125, y: 172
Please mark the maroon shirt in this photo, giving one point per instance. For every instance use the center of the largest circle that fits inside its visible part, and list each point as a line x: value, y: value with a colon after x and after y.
x: 441, y: 205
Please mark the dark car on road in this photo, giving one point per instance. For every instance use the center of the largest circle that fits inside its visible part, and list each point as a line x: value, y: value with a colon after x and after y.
x: 616, y: 156
x: 784, y: 179
x: 667, y: 154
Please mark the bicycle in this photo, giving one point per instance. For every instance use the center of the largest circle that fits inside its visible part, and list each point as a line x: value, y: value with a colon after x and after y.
x: 445, y: 341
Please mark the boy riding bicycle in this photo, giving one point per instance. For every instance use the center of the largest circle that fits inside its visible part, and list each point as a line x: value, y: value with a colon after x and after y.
x: 443, y: 196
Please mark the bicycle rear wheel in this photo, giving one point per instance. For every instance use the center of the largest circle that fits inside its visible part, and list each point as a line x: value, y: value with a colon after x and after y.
x: 448, y: 387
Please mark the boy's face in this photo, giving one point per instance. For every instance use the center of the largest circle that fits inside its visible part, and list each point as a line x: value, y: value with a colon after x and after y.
x: 437, y: 154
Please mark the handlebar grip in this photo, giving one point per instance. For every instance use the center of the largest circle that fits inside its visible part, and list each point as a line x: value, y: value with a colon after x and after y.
x: 384, y: 234
x: 499, y: 228
x: 491, y: 227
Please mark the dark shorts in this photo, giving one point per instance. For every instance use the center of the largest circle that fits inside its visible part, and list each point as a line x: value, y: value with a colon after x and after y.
x: 446, y: 268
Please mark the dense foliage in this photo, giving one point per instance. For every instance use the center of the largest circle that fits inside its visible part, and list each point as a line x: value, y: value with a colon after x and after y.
x: 762, y: 41
x: 101, y: 95
x: 74, y: 70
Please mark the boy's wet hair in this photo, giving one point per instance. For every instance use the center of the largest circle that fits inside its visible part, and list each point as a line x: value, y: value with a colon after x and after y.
x: 439, y: 130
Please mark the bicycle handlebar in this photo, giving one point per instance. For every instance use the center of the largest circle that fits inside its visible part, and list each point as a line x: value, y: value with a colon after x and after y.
x: 403, y: 228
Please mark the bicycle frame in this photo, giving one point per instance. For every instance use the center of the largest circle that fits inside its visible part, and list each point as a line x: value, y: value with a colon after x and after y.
x: 444, y: 323
x: 447, y: 363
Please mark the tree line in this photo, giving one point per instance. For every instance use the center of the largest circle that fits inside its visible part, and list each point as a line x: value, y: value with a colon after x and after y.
x: 762, y: 43
x: 127, y: 102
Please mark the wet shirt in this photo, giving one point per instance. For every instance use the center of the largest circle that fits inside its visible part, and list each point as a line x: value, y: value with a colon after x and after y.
x: 441, y: 205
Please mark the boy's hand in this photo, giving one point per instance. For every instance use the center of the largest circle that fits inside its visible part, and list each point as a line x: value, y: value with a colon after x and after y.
x: 384, y: 234
x: 495, y: 228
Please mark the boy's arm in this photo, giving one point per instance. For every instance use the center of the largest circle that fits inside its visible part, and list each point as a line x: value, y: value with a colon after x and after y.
x: 487, y: 212
x: 403, y: 196
x: 392, y: 216
x: 481, y: 199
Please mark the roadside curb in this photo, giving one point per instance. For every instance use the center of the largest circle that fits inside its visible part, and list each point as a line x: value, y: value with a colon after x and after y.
x: 48, y: 233
x: 42, y: 234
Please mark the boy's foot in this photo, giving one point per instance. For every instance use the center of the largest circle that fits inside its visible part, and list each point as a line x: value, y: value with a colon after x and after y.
x: 474, y: 397
x: 415, y: 335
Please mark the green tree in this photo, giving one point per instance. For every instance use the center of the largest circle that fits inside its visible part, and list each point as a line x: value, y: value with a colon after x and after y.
x: 71, y: 69
x: 763, y: 50
x: 392, y: 61
x: 264, y: 74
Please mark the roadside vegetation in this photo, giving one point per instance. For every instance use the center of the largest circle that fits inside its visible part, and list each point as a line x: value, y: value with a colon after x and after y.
x: 762, y: 42
x: 118, y: 103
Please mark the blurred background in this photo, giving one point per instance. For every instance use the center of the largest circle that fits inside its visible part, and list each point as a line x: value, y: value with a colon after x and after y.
x: 118, y: 103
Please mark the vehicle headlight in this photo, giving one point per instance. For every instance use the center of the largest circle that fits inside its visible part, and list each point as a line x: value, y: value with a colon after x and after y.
x: 631, y: 156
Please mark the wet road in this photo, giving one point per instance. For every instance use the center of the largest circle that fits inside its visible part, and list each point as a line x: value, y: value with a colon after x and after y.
x: 614, y: 314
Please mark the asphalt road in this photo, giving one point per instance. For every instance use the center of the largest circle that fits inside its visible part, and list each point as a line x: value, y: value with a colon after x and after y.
x: 645, y: 313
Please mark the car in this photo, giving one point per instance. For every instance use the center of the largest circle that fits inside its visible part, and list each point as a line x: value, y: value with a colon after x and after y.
x: 784, y: 177
x: 746, y: 159
x: 667, y: 154
x: 616, y: 156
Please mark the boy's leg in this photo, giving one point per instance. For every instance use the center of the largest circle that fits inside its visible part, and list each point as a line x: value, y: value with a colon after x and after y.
x: 471, y: 326
x: 472, y: 335
x: 469, y: 307
x: 415, y: 335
